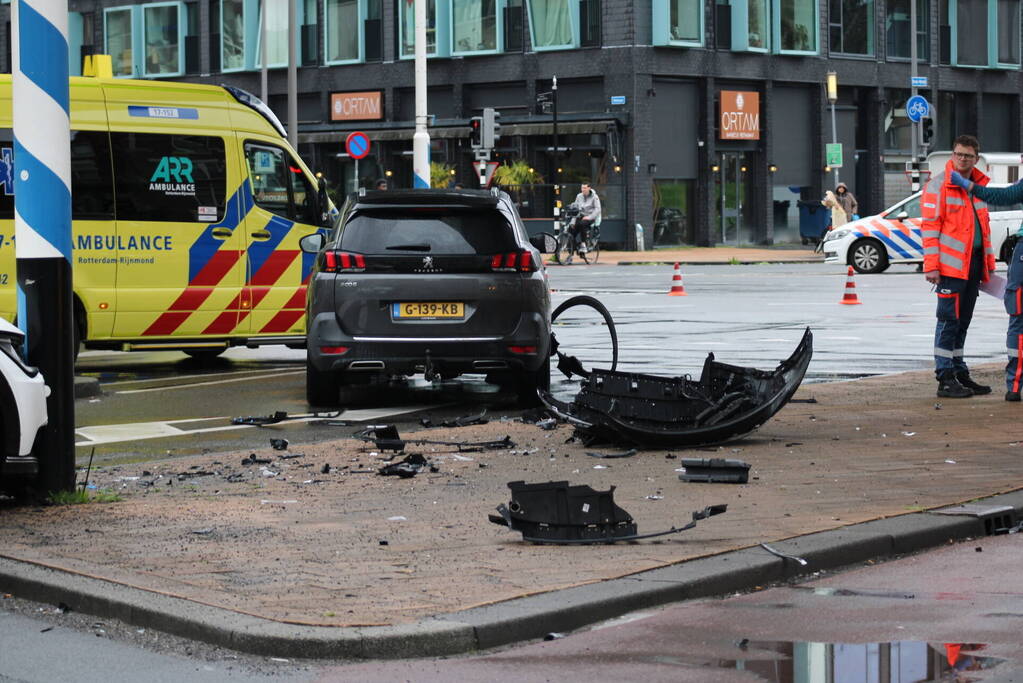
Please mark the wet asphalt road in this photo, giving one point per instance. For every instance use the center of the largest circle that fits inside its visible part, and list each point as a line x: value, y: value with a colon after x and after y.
x: 159, y: 403
x: 887, y: 622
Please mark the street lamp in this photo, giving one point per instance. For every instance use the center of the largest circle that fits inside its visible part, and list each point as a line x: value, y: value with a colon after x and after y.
x: 832, y: 88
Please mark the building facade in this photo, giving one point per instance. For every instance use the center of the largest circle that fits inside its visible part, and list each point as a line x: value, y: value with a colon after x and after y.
x: 704, y: 121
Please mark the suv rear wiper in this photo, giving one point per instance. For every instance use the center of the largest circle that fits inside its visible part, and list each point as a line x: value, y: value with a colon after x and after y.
x: 410, y: 247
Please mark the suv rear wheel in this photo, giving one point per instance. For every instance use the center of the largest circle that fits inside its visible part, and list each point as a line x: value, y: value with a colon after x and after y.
x: 322, y: 387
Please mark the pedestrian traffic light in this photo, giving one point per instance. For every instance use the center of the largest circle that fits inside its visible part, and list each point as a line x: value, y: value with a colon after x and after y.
x: 927, y: 131
x: 476, y: 132
x: 491, y: 127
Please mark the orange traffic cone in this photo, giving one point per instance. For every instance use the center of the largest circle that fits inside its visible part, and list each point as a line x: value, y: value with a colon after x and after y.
x: 850, y: 290
x: 676, y: 283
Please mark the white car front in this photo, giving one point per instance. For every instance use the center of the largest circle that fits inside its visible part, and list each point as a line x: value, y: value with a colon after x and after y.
x: 22, y: 406
x: 871, y: 244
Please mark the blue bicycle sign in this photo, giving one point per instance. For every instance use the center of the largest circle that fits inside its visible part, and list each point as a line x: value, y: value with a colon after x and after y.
x: 917, y: 108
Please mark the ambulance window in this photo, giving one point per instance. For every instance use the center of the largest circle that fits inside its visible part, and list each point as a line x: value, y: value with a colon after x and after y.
x: 169, y: 178
x: 92, y: 186
x: 278, y: 183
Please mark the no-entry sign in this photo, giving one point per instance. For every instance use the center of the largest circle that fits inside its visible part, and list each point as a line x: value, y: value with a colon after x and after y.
x: 357, y: 145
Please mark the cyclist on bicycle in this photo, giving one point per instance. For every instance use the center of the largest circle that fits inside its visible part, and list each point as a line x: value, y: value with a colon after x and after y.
x: 588, y: 204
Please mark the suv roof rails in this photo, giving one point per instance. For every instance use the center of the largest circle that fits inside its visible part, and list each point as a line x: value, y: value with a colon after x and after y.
x: 480, y: 199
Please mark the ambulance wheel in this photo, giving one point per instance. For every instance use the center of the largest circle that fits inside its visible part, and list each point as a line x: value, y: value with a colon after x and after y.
x: 205, y: 354
x: 322, y: 387
x: 868, y: 256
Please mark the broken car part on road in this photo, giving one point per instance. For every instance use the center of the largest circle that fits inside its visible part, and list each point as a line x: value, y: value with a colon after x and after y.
x: 646, y: 410
x: 715, y: 470
x: 385, y: 438
x: 412, y: 465
x: 561, y: 514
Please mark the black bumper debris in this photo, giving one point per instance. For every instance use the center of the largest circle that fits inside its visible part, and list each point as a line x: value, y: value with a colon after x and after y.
x: 715, y: 470
x: 646, y: 410
x: 559, y: 513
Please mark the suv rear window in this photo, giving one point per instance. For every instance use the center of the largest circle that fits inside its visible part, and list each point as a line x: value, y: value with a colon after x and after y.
x: 426, y: 231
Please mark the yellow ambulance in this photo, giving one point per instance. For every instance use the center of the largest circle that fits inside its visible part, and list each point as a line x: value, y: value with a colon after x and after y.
x: 187, y: 208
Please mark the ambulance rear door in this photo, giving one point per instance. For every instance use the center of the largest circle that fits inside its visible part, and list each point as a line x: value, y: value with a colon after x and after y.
x: 180, y: 250
x: 284, y: 211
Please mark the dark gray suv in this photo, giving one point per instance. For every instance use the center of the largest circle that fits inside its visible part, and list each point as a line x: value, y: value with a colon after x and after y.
x: 430, y: 282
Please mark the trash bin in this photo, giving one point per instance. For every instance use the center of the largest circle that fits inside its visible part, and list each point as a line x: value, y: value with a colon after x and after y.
x: 814, y: 219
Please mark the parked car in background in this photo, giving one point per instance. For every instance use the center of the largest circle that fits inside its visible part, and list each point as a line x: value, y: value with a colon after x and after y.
x: 432, y: 282
x: 22, y: 409
x: 873, y: 243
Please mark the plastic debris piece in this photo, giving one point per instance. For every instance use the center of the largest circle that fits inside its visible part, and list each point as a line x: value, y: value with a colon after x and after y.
x: 553, y: 636
x: 909, y: 433
x: 398, y: 518
x: 253, y: 460
x: 715, y: 470
x: 202, y: 532
x: 279, y: 444
x: 950, y: 462
x: 626, y: 454
x: 412, y: 465
x: 782, y: 555
x: 548, y: 424
x: 325, y: 469
x: 267, y: 472
x: 279, y: 416
x: 277, y: 502
x: 655, y: 497
x: 558, y: 513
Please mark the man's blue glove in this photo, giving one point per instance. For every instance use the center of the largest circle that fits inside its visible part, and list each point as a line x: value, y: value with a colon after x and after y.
x: 960, y: 181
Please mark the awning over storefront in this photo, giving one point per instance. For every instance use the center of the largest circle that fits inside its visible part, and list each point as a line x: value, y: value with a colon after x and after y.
x: 454, y: 132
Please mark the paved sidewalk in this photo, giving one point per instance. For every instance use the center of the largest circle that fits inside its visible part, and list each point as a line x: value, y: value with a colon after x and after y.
x: 285, y: 560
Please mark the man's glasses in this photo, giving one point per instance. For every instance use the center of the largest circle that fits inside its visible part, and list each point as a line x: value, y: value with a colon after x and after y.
x: 964, y: 157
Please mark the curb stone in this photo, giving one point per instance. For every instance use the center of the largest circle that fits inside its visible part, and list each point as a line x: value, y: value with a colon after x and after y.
x: 510, y: 621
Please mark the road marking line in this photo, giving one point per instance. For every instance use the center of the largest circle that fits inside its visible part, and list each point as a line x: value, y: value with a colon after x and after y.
x: 180, y: 377
x: 206, y: 384
x: 139, y: 431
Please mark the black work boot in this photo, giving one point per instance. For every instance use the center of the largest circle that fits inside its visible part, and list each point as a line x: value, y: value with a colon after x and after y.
x: 978, y: 389
x: 1012, y: 396
x: 949, y: 387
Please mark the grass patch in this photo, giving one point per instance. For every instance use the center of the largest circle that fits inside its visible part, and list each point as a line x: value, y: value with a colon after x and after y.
x: 734, y: 261
x: 79, y: 497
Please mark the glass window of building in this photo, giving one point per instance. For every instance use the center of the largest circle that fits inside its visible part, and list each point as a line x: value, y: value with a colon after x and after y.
x: 851, y: 24
x: 513, y: 25
x: 276, y: 18
x: 475, y: 26
x: 678, y: 22
x: 971, y: 32
x: 117, y: 29
x: 796, y: 26
x: 1008, y: 32
x: 232, y: 35
x: 551, y: 24
x: 343, y: 35
x: 898, y: 31
x: 436, y: 29
x: 756, y: 13
x: 161, y: 27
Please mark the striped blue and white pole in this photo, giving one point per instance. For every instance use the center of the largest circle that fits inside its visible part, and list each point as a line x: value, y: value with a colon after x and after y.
x: 421, y: 138
x: 42, y: 221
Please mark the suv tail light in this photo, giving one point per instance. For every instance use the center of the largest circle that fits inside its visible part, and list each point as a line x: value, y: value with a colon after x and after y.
x: 521, y: 261
x: 343, y: 262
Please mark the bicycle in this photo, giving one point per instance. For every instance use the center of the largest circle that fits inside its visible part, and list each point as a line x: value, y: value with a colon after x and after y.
x: 568, y: 243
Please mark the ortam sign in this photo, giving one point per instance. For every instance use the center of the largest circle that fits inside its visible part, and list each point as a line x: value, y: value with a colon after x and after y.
x: 356, y: 106
x: 740, y: 115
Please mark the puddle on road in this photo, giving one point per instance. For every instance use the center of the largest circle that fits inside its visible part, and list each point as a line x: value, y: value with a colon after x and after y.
x: 896, y: 662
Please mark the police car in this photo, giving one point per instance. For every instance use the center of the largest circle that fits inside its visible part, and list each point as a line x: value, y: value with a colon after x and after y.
x: 873, y: 243
x: 22, y: 409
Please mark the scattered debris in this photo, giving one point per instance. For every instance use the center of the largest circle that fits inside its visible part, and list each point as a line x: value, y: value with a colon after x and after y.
x: 655, y: 496
x: 950, y: 462
x: 626, y: 454
x: 385, y: 437
x: 558, y: 513
x: 782, y: 555
x: 325, y: 469
x: 279, y: 416
x: 203, y: 532
x: 715, y: 470
x: 290, y: 456
x: 463, y: 421
x: 279, y: 444
x: 553, y: 636
x: 646, y: 410
x: 253, y: 460
x: 412, y: 465
x: 398, y: 518
x: 803, y: 400
x: 548, y: 424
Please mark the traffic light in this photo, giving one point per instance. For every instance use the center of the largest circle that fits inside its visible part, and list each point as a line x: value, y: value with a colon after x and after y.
x: 491, y: 127
x: 476, y: 132
x: 927, y: 131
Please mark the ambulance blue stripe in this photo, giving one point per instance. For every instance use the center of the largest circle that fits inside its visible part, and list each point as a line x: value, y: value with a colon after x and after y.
x: 45, y: 202
x: 37, y: 56
x: 892, y: 245
x: 203, y: 249
x: 259, y: 252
